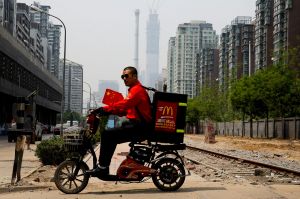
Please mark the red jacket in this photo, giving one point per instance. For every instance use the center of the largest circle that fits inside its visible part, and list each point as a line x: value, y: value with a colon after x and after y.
x: 137, y: 98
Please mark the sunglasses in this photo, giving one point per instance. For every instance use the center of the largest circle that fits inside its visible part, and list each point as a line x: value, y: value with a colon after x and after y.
x: 124, y: 76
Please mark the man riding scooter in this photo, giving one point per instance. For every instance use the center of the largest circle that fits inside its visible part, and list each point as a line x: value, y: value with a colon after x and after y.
x: 137, y: 109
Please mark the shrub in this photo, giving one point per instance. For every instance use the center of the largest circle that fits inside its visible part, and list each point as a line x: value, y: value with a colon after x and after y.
x: 51, y: 152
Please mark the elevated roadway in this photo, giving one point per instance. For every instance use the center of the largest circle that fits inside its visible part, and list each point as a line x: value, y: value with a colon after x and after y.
x: 20, y: 75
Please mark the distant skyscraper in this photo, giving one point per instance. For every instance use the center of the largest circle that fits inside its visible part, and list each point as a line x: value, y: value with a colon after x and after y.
x: 73, y: 86
x: 152, y: 49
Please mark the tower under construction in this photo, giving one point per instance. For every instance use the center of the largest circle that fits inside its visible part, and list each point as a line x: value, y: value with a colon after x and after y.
x: 152, y: 49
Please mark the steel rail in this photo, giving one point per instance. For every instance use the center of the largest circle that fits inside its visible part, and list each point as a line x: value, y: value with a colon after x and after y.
x: 274, y: 167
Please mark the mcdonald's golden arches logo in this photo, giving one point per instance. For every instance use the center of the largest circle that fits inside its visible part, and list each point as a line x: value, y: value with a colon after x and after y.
x: 168, y: 110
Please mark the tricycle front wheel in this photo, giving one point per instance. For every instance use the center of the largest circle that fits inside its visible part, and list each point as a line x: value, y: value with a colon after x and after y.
x: 68, y: 180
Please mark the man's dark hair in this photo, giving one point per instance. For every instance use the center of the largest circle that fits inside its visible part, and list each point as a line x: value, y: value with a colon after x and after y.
x: 132, y: 69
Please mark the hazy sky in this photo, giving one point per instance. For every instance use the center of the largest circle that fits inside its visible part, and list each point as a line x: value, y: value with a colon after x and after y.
x: 100, y: 33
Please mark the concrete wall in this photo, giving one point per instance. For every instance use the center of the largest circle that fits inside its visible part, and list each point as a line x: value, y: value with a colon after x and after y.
x: 286, y: 128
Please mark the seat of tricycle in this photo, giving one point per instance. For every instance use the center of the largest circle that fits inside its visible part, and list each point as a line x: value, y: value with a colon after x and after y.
x: 170, y: 147
x: 160, y: 146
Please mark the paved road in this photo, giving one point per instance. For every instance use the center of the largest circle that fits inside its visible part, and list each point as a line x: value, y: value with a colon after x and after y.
x: 194, y: 187
x: 7, y: 154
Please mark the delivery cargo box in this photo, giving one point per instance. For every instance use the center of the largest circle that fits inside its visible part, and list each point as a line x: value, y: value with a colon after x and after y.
x: 169, y: 111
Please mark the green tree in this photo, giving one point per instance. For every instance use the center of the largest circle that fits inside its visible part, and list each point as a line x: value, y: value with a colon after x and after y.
x: 209, y: 103
x: 245, y: 96
x: 193, y: 114
x: 280, y: 90
x: 269, y: 92
x: 212, y: 103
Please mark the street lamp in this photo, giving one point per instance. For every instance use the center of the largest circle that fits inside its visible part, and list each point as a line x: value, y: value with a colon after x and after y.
x: 64, y: 66
x: 90, y: 94
x: 77, y: 79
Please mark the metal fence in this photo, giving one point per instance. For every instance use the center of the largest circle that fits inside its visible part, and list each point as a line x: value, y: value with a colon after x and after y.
x: 283, y: 128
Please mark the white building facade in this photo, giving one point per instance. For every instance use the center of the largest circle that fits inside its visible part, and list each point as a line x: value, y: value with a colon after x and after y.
x: 73, y: 86
x: 190, y: 39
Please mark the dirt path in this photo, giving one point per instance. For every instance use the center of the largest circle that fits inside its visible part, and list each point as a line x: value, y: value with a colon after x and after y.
x: 289, y: 149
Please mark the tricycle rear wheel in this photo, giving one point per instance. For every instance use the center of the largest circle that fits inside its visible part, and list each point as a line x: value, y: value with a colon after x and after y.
x: 170, y: 174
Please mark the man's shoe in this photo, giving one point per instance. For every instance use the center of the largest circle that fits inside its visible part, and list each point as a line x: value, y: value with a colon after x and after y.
x: 98, y: 172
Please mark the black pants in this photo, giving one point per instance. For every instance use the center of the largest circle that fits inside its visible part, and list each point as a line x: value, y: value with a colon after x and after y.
x: 129, y: 131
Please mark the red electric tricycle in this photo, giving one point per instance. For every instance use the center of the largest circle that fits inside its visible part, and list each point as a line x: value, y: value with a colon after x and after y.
x: 147, y: 159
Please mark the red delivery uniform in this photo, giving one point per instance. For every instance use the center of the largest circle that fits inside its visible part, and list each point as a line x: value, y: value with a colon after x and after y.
x: 137, y: 108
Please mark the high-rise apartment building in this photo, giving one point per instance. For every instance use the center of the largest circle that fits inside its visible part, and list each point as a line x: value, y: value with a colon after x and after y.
x: 28, y: 34
x: 248, y: 49
x: 236, y: 50
x: 23, y: 25
x: 240, y: 39
x: 1, y: 12
x: 73, y: 92
x: 207, y: 68
x: 41, y: 18
x: 51, y: 33
x: 223, y: 60
x: 171, y: 63
x: 152, y: 49
x: 8, y: 9
x: 190, y: 39
x: 276, y: 30
x: 37, y: 47
x: 54, y: 41
x: 263, y: 33
x: 286, y: 26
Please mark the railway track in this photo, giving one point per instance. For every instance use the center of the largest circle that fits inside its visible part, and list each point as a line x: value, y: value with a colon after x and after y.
x: 245, y: 160
x: 216, y: 166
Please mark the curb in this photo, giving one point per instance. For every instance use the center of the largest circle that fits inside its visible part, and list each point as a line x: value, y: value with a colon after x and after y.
x: 7, y: 187
x: 32, y: 171
x: 22, y: 177
x: 12, y: 188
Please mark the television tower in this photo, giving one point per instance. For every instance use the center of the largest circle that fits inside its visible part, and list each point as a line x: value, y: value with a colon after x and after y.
x: 136, y: 49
